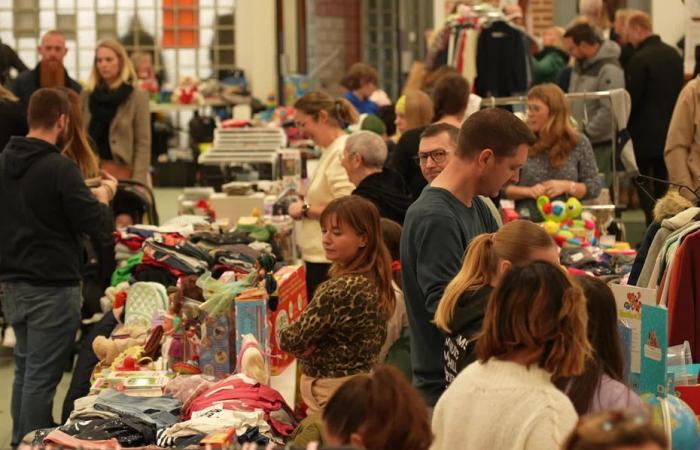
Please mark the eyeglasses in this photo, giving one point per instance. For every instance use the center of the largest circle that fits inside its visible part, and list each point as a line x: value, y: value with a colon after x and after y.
x: 438, y: 157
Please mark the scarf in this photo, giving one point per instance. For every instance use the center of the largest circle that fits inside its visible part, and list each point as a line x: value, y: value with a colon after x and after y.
x: 103, y: 103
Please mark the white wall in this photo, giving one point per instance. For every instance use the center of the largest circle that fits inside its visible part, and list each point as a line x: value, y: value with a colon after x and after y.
x: 668, y: 17
x: 256, y: 45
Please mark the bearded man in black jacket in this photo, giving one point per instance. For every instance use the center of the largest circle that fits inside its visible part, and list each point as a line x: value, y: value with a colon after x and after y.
x: 363, y: 159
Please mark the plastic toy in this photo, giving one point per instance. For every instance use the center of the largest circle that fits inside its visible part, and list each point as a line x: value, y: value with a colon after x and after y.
x: 563, y: 224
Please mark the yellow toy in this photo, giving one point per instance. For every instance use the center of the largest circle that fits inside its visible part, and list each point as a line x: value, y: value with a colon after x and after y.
x: 562, y: 223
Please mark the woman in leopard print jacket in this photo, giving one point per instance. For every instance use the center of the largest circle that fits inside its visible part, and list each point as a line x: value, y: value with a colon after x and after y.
x: 342, y: 330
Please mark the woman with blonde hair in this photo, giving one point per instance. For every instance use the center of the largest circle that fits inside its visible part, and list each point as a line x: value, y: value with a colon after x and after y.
x: 414, y: 109
x: 117, y: 114
x: 534, y: 330
x: 460, y: 313
x: 323, y: 119
x: 561, y: 163
x: 11, y: 117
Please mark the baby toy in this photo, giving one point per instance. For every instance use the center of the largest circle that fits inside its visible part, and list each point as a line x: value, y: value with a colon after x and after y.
x: 186, y: 92
x: 562, y: 223
x: 107, y: 349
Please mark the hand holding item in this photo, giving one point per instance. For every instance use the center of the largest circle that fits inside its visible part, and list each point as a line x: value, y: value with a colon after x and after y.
x: 555, y: 188
x: 295, y: 210
x: 537, y: 190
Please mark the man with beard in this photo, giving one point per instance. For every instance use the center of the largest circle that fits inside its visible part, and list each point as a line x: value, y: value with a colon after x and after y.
x: 48, y: 73
x: 46, y: 208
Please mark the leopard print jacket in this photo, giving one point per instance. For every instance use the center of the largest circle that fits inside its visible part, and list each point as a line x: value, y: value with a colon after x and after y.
x: 341, y: 331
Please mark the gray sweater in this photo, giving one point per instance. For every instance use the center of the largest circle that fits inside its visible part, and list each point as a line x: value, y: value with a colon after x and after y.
x: 602, y: 72
x: 580, y: 167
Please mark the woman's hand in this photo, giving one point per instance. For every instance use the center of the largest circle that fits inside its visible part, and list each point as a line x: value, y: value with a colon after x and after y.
x: 537, y: 190
x: 555, y: 188
x: 308, y: 352
x: 295, y: 210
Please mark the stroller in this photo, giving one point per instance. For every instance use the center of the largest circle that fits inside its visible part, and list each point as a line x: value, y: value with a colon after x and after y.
x: 137, y: 200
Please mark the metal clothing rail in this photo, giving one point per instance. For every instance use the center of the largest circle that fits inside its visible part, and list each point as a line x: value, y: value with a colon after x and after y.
x: 492, y: 102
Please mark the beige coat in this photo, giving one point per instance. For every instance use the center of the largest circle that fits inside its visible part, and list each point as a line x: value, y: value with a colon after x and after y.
x: 682, y: 152
x: 129, y: 133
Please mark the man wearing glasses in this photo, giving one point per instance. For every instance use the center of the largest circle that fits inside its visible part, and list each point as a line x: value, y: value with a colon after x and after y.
x: 437, y: 145
x: 491, y: 148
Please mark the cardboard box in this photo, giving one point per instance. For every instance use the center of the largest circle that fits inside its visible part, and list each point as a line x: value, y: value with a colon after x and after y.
x: 217, y: 350
x: 291, y: 281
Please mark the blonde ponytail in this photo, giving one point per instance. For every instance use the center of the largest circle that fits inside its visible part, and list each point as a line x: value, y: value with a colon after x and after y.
x: 478, y: 270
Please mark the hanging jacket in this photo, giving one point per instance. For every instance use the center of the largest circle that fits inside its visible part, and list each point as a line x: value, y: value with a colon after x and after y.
x: 501, y: 61
x: 668, y: 226
x: 684, y: 289
x: 602, y: 72
x: 654, y: 78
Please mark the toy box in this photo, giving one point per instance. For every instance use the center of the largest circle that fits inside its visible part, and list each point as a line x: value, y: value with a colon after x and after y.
x: 291, y: 281
x: 217, y: 349
x: 251, y: 318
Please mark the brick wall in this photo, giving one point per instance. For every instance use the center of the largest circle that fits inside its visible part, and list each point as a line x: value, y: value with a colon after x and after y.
x: 542, y: 14
x: 337, y: 28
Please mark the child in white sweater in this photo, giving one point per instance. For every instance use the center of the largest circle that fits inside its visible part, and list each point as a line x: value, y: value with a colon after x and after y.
x: 534, y: 328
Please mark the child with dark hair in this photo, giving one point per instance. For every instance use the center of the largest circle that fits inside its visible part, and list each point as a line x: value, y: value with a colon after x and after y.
x: 600, y: 387
x: 378, y: 411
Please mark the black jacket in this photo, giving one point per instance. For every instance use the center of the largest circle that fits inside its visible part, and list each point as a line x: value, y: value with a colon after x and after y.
x: 9, y: 60
x: 501, y: 61
x: 28, y: 82
x: 45, y: 206
x: 466, y: 323
x: 388, y: 192
x: 402, y: 162
x: 654, y: 80
x: 13, y: 124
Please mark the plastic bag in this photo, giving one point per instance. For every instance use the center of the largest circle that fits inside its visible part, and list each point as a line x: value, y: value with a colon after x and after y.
x: 219, y: 296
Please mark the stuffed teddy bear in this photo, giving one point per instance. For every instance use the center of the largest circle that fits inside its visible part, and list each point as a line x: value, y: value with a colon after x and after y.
x: 107, y: 349
x: 187, y: 92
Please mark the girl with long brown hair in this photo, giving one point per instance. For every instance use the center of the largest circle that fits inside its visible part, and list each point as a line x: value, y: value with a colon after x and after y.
x: 378, y: 411
x: 561, y: 163
x: 601, y: 387
x: 460, y: 313
x: 534, y: 330
x: 341, y: 332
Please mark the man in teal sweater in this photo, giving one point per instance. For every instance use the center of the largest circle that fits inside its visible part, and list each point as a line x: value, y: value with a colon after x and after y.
x: 492, y: 147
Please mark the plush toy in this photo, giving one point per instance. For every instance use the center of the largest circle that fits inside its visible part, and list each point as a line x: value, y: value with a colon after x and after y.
x: 562, y: 223
x: 107, y: 349
x: 186, y: 92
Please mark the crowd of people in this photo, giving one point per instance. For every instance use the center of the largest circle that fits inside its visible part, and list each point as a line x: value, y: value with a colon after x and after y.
x: 430, y: 323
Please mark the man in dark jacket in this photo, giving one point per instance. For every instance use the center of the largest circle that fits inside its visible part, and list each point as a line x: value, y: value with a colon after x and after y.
x: 363, y: 160
x: 654, y: 80
x: 48, y: 73
x: 45, y: 206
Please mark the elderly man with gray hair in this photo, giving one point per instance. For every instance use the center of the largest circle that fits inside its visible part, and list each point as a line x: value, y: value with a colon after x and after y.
x: 363, y: 159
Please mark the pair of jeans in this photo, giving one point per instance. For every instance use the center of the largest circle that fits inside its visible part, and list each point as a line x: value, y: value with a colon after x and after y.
x: 45, y: 319
x: 159, y: 411
x: 650, y: 191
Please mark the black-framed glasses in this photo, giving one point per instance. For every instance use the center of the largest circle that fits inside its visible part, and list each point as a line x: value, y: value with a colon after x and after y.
x: 438, y: 157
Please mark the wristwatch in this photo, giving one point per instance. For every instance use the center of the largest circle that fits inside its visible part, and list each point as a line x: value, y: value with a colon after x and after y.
x: 305, y: 210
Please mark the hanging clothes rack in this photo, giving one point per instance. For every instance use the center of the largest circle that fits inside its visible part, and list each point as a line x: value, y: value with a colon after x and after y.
x: 492, y: 102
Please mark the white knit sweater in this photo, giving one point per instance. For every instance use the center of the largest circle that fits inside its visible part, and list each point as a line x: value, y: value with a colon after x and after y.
x: 502, y: 405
